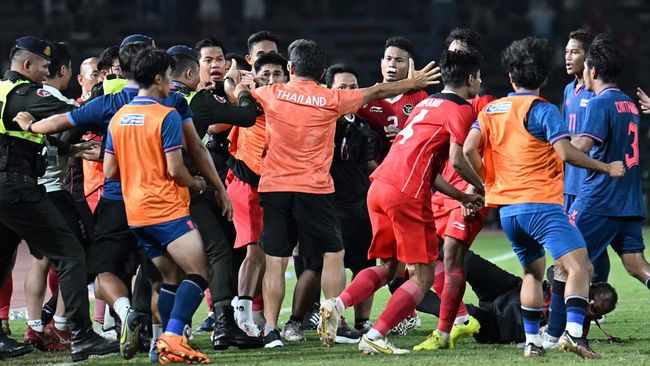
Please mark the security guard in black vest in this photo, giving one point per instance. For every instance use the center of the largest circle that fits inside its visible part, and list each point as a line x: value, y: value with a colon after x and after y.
x: 206, y: 110
x: 25, y: 210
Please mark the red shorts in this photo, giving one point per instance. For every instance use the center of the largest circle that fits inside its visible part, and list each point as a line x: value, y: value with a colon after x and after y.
x: 450, y: 222
x: 247, y: 212
x: 402, y: 227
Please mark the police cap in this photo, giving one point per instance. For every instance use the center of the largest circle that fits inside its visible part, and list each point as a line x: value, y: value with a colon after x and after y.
x: 184, y: 51
x: 138, y: 38
x: 35, y: 45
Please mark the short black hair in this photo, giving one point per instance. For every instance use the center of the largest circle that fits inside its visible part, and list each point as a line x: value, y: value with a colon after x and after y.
x: 273, y: 59
x: 603, y: 292
x: 583, y: 36
x: 180, y: 63
x: 529, y: 62
x: 60, y: 57
x: 127, y: 57
x: 106, y: 58
x: 402, y: 43
x: 338, y: 69
x: 467, y: 36
x: 260, y: 36
x: 456, y: 66
x: 308, y: 58
x: 148, y: 63
x: 242, y: 64
x: 606, y: 58
x: 209, y: 42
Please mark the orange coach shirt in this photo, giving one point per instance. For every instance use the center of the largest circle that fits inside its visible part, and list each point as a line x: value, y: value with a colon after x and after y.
x: 139, y: 135
x: 300, y: 124
x: 247, y: 144
x: 520, y: 168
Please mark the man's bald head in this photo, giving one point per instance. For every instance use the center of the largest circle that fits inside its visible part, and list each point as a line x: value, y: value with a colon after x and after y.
x: 88, y: 75
x: 30, y: 65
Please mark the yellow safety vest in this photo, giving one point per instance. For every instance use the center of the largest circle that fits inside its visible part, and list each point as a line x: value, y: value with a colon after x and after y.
x: 6, y: 87
x: 114, y: 86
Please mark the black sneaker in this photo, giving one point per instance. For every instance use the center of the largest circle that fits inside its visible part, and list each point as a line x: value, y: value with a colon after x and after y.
x: 312, y: 318
x: 579, y: 346
x: 207, y: 325
x: 531, y: 350
x: 347, y: 335
x: 363, y: 326
x: 273, y: 339
x: 9, y: 347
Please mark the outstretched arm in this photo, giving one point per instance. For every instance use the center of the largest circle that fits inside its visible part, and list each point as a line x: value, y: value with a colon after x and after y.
x: 417, y: 79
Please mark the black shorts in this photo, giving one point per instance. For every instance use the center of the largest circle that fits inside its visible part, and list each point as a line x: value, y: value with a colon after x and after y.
x: 313, y: 216
x: 114, y: 245
x: 357, y: 235
x: 67, y: 208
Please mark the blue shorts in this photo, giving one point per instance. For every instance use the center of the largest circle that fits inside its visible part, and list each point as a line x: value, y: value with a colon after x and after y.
x: 155, y: 238
x: 568, y: 201
x: 622, y: 233
x: 538, y: 227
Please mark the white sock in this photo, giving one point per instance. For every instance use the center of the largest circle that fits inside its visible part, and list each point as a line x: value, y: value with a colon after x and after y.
x: 60, y: 322
x: 122, y: 306
x: 373, y: 334
x: 535, y: 339
x: 245, y: 310
x: 460, y: 320
x: 268, y: 329
x: 444, y: 335
x: 37, y: 325
x: 339, y: 304
x: 156, y: 331
x: 109, y: 321
x: 574, y: 329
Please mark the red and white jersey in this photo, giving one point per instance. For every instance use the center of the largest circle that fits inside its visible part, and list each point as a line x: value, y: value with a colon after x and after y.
x: 449, y: 173
x: 422, y: 148
x: 390, y: 111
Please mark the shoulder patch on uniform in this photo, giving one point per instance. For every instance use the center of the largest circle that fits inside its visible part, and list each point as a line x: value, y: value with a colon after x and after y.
x: 502, y: 107
x: 43, y: 93
x: 132, y: 120
x: 220, y: 99
x: 408, y: 108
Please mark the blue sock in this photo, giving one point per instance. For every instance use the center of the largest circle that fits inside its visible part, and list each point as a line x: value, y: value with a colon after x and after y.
x: 601, y: 268
x: 166, y: 303
x: 532, y: 318
x: 188, y: 298
x: 576, y: 309
x: 557, y: 313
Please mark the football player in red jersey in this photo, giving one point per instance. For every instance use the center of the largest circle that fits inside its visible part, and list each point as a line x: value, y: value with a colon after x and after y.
x: 455, y: 232
x: 388, y: 116
x: 399, y: 201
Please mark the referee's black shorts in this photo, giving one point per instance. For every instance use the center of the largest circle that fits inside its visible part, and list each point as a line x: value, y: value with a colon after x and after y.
x: 312, y: 216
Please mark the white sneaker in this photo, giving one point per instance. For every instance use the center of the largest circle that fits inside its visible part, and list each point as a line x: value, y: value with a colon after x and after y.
x: 380, y: 346
x: 330, y: 315
x: 249, y: 327
x: 548, y: 341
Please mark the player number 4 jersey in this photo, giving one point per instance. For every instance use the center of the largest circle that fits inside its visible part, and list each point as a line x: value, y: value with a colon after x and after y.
x: 421, y: 149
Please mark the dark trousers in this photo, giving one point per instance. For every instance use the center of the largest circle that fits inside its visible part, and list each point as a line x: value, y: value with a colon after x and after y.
x: 26, y: 212
x: 214, y: 230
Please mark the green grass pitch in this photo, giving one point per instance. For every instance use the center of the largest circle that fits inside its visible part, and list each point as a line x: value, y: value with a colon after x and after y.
x: 630, y: 321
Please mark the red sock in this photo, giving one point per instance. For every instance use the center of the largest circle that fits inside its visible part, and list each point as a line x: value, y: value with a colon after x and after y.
x: 403, y: 301
x: 5, y: 297
x: 439, y: 280
x: 258, y: 303
x: 364, y: 284
x: 53, y: 280
x: 462, y: 310
x: 451, y: 298
x: 100, y: 311
x: 208, y: 298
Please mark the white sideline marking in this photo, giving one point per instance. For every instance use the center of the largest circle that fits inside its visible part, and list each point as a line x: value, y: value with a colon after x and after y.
x: 502, y: 257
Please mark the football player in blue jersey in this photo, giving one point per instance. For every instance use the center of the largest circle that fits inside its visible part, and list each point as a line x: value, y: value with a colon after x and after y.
x: 610, y: 211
